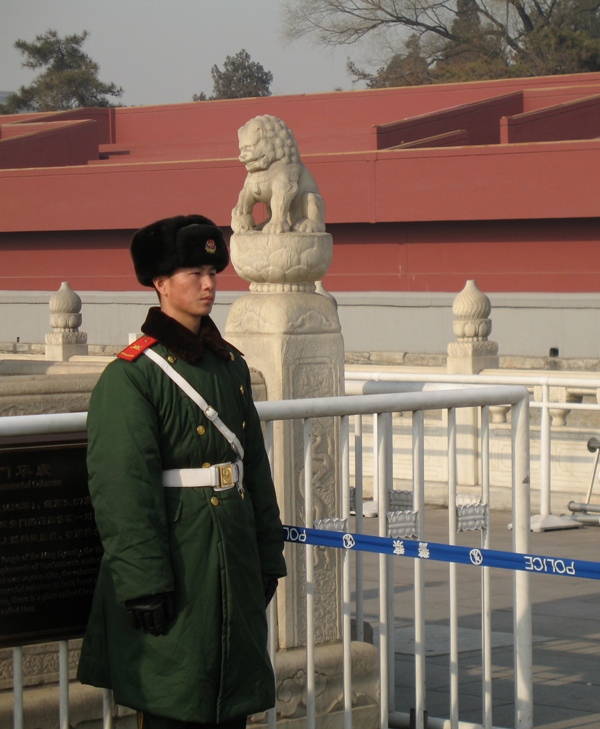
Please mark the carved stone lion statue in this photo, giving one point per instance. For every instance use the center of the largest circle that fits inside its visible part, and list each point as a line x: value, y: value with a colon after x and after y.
x: 277, y: 178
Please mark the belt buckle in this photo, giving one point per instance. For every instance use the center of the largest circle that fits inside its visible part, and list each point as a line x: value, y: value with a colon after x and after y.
x: 226, y: 476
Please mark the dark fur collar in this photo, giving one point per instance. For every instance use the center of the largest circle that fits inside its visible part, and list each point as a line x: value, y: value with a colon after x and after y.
x: 183, y: 343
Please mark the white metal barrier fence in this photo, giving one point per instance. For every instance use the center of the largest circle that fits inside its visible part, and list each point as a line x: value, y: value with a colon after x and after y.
x: 549, y: 390
x: 411, y: 524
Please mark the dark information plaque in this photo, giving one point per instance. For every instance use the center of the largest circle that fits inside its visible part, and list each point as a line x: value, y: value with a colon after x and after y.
x: 49, y: 547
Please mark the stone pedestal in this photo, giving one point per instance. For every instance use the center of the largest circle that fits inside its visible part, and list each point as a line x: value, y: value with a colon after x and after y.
x: 61, y: 346
x: 470, y: 358
x: 329, y: 699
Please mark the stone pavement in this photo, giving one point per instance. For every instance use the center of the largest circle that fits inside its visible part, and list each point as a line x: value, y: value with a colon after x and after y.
x: 566, y: 628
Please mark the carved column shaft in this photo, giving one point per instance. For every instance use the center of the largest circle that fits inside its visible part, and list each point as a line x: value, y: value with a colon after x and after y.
x: 294, y: 339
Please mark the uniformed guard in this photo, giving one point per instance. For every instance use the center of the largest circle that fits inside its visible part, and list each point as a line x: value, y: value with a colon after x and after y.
x: 184, y: 503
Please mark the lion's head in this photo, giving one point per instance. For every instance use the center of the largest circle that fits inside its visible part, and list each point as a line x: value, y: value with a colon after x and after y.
x: 264, y: 140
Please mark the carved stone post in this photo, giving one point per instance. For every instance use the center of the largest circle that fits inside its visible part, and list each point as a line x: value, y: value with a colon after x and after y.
x: 470, y: 354
x: 66, y: 340
x: 291, y: 335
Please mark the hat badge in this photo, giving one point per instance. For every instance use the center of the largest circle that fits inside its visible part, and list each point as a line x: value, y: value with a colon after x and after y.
x: 210, y: 246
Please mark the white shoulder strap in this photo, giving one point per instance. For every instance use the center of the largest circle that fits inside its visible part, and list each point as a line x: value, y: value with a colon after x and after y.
x: 207, y: 409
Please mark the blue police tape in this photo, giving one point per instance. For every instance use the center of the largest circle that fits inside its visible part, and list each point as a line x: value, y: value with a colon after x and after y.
x: 444, y: 552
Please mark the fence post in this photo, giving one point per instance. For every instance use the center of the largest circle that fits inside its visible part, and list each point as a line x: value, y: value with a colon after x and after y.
x: 523, y: 632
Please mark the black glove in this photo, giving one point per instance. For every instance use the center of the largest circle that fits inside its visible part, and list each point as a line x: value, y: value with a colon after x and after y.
x: 151, y: 612
x: 269, y: 585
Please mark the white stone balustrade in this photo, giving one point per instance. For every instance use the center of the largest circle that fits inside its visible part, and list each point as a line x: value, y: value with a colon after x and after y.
x: 558, y: 395
x: 473, y: 353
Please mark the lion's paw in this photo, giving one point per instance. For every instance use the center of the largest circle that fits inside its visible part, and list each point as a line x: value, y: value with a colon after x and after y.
x: 277, y: 227
x: 242, y: 223
x: 309, y: 226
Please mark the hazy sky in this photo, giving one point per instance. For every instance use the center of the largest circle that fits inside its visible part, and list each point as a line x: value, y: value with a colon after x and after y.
x: 161, y: 51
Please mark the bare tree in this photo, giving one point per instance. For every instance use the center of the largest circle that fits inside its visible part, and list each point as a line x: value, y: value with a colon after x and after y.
x: 499, y: 37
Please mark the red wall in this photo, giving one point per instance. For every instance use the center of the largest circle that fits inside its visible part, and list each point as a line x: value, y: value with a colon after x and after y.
x: 517, y: 217
x: 528, y: 181
x: 502, y: 256
x: 551, y: 96
x: 338, y: 122
x: 104, y: 118
x: 556, y: 123
x: 481, y: 121
x: 538, y: 256
x: 48, y: 144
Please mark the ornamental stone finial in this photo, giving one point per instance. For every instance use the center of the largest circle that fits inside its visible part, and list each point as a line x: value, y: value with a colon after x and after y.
x: 65, y: 306
x: 471, y: 310
x: 472, y: 352
x: 65, y: 319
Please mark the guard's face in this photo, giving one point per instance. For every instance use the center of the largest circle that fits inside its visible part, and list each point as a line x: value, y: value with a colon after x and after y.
x: 188, y: 294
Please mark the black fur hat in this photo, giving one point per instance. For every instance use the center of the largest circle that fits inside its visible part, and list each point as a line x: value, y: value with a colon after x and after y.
x: 184, y: 241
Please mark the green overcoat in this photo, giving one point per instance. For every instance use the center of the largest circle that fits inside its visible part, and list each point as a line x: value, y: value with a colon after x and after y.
x: 211, y: 549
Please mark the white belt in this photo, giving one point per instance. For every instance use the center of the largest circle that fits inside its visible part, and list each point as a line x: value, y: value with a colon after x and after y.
x: 220, y: 477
